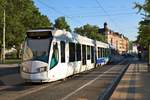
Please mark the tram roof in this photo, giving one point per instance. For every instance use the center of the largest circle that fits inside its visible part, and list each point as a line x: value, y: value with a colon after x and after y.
x: 74, y: 37
x: 39, y: 30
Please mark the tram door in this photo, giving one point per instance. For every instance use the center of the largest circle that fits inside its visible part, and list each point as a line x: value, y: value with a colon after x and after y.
x: 83, y: 54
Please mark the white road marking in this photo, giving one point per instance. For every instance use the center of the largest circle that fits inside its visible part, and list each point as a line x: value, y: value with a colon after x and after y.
x: 31, y: 91
x: 88, y: 83
x: 4, y: 87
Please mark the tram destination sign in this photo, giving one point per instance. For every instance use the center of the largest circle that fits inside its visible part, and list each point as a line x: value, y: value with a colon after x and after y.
x: 39, y: 34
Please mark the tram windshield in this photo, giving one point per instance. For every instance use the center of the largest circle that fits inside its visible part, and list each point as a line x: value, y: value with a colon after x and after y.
x: 36, y: 49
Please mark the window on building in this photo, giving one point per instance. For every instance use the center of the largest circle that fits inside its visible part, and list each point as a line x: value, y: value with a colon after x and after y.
x: 71, y: 52
x: 78, y: 52
x: 88, y: 52
x: 62, y: 46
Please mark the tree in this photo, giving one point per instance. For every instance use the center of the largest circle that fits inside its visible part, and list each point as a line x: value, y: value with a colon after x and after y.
x: 130, y: 45
x: 21, y: 15
x: 144, y: 25
x: 61, y: 23
x: 91, y: 31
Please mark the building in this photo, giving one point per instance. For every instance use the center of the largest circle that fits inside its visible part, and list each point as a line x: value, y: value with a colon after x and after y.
x: 119, y: 41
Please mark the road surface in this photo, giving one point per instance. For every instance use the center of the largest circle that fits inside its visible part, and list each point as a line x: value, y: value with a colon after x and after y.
x: 89, y: 85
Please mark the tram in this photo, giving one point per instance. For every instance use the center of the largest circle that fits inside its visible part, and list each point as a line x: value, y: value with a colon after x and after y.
x: 50, y: 55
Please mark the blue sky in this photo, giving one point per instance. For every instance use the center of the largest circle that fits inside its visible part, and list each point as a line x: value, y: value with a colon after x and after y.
x: 119, y: 14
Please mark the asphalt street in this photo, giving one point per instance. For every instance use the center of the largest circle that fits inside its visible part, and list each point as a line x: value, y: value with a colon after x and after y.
x: 89, y: 85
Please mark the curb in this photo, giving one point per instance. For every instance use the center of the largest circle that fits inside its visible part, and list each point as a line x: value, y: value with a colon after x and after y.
x: 108, y: 92
x: 9, y: 65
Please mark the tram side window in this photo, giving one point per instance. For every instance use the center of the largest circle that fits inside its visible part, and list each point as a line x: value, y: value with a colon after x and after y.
x: 102, y: 52
x: 98, y: 52
x: 92, y: 54
x: 84, y: 54
x: 107, y: 52
x: 71, y: 52
x: 88, y: 52
x: 62, y: 44
x: 55, y: 56
x: 78, y: 52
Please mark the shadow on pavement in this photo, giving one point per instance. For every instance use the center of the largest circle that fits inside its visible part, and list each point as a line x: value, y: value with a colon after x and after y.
x: 8, y: 71
x: 135, y: 83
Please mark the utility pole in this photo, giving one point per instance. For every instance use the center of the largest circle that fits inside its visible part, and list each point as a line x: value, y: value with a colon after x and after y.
x: 3, y: 59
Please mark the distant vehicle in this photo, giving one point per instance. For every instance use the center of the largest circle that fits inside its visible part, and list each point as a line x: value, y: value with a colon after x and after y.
x: 51, y: 55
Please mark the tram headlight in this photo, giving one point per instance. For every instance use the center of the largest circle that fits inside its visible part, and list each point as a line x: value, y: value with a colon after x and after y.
x: 25, y: 69
x: 42, y: 69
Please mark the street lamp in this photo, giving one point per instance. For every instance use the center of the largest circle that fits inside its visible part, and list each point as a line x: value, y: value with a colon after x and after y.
x: 3, y: 58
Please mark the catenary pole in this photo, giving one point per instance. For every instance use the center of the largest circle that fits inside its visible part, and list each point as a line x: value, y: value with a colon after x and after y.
x: 4, y: 38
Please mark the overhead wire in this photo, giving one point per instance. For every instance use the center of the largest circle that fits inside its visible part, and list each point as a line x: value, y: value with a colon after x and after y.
x: 98, y: 15
x: 117, y: 26
x: 54, y: 9
x: 83, y: 16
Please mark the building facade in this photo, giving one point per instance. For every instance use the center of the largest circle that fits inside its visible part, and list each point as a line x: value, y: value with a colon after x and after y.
x: 117, y: 40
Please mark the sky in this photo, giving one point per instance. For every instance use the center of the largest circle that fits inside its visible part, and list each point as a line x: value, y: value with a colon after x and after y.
x: 119, y: 14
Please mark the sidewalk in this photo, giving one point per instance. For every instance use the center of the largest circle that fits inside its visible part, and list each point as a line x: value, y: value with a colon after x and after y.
x: 8, y: 65
x: 135, y: 84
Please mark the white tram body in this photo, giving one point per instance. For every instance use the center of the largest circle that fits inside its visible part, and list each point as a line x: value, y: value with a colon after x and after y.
x: 51, y: 55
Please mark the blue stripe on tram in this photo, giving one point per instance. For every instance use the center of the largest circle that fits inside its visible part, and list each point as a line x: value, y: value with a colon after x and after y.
x: 100, y: 61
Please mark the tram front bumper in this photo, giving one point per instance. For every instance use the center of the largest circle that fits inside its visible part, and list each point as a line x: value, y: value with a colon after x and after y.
x: 35, y: 77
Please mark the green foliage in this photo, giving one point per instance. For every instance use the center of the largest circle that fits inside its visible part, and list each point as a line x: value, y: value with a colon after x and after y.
x: 12, y: 55
x: 91, y: 31
x: 130, y: 45
x: 61, y: 23
x: 21, y: 15
x: 144, y: 25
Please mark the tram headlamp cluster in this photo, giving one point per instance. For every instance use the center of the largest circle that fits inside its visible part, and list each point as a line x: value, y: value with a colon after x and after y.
x: 42, y: 69
x: 25, y: 69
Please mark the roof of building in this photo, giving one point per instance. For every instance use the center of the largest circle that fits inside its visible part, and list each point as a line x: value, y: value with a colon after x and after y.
x: 106, y: 30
